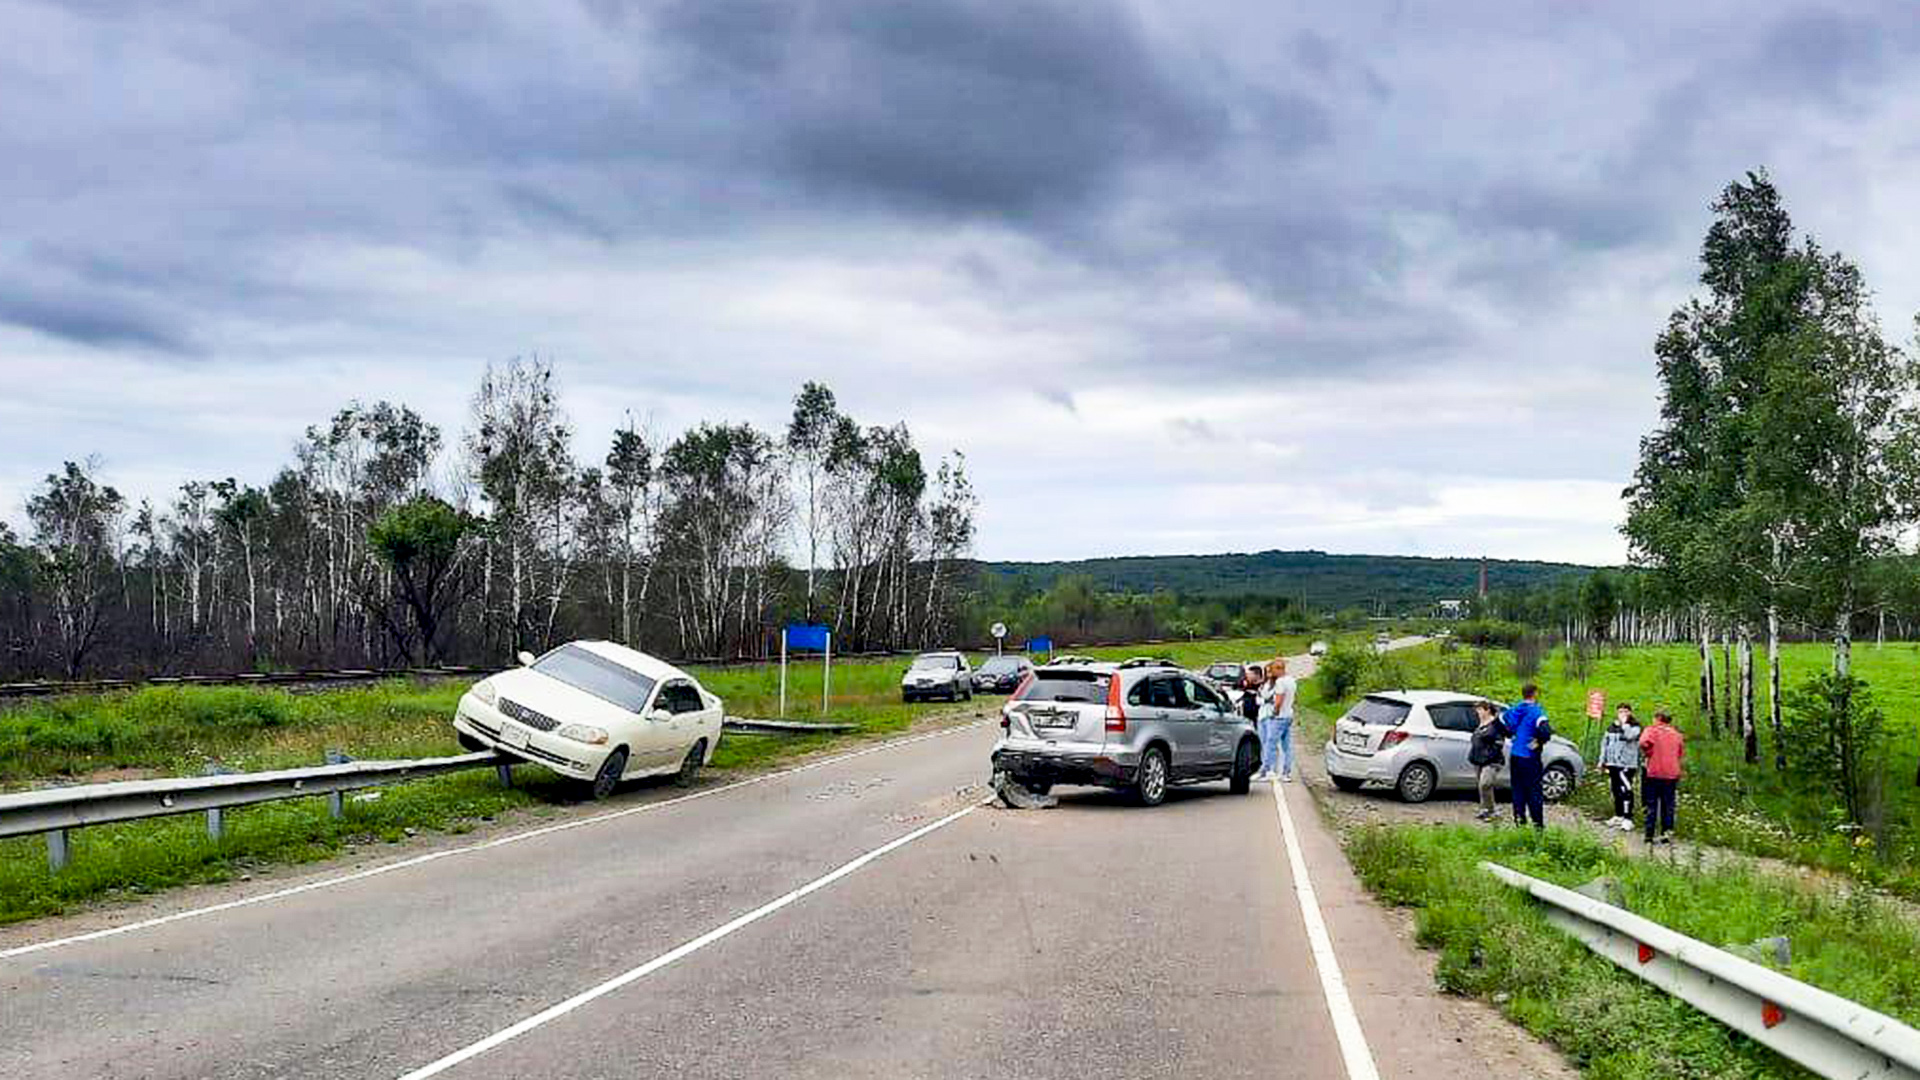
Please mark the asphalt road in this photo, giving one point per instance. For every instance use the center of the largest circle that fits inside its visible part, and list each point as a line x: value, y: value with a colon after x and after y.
x: 865, y: 917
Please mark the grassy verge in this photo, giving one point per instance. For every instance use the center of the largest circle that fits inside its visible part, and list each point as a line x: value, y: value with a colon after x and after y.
x: 1494, y: 944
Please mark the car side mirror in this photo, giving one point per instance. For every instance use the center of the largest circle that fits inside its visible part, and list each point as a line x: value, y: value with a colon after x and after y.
x: 526, y: 658
x: 661, y: 715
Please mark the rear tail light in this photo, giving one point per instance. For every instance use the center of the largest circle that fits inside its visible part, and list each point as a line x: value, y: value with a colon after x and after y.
x: 1116, y: 716
x: 1392, y: 739
x: 1006, y: 720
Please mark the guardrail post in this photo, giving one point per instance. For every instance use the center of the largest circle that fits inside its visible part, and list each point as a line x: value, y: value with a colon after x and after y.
x: 57, y: 852
x: 505, y: 772
x: 336, y: 801
x: 216, y: 817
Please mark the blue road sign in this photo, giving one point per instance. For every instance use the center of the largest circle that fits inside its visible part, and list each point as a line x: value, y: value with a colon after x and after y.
x: 801, y: 636
x: 1040, y: 644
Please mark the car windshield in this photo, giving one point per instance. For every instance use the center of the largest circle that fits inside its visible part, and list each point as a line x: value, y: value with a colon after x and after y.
x: 1000, y: 665
x: 1381, y: 711
x: 1079, y: 686
x: 935, y: 663
x: 596, y: 675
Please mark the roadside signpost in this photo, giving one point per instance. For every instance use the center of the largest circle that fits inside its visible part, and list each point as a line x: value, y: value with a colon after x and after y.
x: 1596, y: 710
x: 816, y: 638
x: 999, y: 632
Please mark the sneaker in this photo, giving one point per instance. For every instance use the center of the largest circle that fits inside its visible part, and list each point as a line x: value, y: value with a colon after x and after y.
x: 1613, y: 822
x: 1666, y: 838
x: 1286, y: 778
x: 1626, y: 824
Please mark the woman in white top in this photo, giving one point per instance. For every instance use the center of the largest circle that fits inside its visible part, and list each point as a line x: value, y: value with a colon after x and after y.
x: 1277, y: 696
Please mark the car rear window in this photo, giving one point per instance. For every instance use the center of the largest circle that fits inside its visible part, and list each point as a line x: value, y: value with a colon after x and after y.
x: 597, y: 675
x: 1000, y: 665
x: 1384, y: 712
x: 1073, y: 686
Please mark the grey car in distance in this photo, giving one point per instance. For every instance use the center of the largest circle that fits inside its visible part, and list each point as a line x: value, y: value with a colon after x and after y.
x: 1415, y: 742
x: 937, y: 675
x: 1141, y: 727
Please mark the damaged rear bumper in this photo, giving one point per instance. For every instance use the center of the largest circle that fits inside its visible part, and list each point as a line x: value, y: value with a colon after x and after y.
x: 1094, y: 769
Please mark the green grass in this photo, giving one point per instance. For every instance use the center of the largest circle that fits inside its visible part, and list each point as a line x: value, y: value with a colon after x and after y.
x: 1493, y: 941
x: 1723, y: 801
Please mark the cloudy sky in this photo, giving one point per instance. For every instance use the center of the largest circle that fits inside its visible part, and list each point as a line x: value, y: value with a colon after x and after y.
x: 1192, y: 276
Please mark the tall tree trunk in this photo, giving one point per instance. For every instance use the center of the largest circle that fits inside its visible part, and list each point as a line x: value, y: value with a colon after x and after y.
x: 1773, y: 688
x: 1749, y: 731
x: 1706, y: 668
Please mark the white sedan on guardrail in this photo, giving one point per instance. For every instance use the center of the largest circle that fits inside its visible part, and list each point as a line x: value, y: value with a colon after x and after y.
x: 596, y: 712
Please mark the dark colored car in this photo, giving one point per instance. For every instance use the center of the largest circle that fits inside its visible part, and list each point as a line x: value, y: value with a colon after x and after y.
x: 1001, y: 674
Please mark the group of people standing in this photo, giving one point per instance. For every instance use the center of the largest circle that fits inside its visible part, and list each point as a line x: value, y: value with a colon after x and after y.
x: 1628, y: 753
x: 1651, y: 755
x: 1268, y: 700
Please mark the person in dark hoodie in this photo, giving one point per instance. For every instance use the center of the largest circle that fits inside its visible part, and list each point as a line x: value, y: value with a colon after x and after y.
x: 1486, y: 752
x: 1528, y: 724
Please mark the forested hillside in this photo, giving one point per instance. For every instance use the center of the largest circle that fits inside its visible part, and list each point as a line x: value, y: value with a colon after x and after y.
x: 1314, y: 580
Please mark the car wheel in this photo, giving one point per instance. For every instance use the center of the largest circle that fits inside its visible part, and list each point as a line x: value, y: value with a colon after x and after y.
x: 1038, y: 787
x: 690, y: 767
x: 1417, y: 782
x: 1150, y: 779
x: 1245, y: 760
x: 608, y: 777
x: 1348, y: 783
x: 1556, y: 783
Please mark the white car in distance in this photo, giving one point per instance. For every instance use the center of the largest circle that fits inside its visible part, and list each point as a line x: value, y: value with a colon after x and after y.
x: 595, y: 712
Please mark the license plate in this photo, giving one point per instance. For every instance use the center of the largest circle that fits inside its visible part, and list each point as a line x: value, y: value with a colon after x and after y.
x: 515, y: 737
x: 1051, y: 719
x: 1352, y: 740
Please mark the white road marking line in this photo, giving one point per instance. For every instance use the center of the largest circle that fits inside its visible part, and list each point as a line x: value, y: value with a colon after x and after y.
x: 1346, y: 1023
x: 555, y: 1012
x: 514, y: 838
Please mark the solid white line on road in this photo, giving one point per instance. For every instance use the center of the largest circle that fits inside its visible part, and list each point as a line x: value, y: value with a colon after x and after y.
x: 1346, y: 1023
x: 513, y: 838
x: 555, y: 1012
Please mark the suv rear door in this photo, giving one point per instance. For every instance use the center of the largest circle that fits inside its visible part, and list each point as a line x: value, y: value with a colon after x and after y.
x: 1217, y: 719
x: 1161, y: 701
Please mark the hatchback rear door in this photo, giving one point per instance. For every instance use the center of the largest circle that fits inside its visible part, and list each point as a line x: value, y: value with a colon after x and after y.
x: 1453, y: 724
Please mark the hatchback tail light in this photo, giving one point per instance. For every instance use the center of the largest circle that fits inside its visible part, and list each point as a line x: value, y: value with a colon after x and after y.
x: 1392, y: 739
x: 1116, y: 716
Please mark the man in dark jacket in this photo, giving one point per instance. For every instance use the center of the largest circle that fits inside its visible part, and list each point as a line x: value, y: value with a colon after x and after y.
x: 1527, y: 722
x: 1486, y: 753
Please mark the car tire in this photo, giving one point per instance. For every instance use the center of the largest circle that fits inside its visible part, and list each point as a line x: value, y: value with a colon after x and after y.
x: 1416, y: 783
x: 1245, y: 761
x: 608, y: 778
x: 1348, y: 783
x: 1038, y: 787
x: 1150, y: 778
x: 1556, y: 782
x: 690, y: 765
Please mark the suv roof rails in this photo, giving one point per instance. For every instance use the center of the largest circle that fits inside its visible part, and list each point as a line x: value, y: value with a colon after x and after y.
x: 1147, y: 661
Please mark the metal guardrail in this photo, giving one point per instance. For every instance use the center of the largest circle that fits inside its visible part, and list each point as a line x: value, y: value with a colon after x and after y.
x: 55, y: 810
x: 746, y: 726
x: 49, y: 688
x: 1826, y: 1033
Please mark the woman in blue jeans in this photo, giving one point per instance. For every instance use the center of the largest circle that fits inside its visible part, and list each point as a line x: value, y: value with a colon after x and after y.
x: 1276, y: 721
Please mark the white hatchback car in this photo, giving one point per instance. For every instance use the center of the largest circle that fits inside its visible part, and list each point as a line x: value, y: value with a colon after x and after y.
x: 596, y: 712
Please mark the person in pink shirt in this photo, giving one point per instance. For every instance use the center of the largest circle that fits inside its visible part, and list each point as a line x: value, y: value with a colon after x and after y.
x: 1661, y: 748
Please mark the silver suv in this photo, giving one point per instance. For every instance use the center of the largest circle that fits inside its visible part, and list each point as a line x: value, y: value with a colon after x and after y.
x: 1138, y: 726
x: 1416, y: 742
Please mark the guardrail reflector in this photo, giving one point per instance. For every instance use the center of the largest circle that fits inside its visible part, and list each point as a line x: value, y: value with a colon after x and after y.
x: 1771, y: 1014
x: 1646, y: 953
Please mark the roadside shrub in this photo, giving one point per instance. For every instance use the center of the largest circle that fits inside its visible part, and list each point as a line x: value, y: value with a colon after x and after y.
x: 1528, y: 651
x: 1834, y: 735
x: 1342, y: 671
x: 1494, y: 633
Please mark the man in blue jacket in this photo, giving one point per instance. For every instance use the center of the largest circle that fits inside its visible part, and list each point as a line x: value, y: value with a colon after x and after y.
x: 1528, y: 723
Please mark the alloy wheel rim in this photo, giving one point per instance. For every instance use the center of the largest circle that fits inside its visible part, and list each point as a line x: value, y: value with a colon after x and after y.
x: 1156, y: 780
x: 1556, y: 786
x: 1420, y: 784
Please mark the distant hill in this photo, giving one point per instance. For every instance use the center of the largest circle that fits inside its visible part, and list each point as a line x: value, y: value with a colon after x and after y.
x: 1324, y: 582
